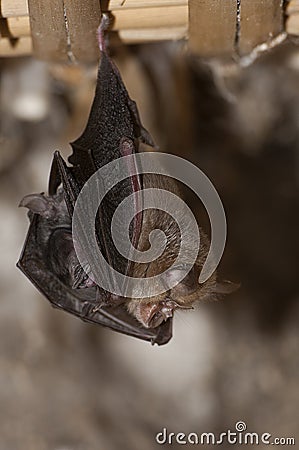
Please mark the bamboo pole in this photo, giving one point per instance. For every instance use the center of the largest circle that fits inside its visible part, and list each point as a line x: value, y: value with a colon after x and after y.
x: 19, y: 26
x: 292, y: 21
x: 172, y: 16
x: 292, y: 25
x: 292, y: 7
x: 137, y: 36
x: 66, y: 29
x: 15, y: 8
x: 18, y: 8
x: 19, y: 47
x: 54, y: 41
x: 127, y: 4
x: 82, y: 24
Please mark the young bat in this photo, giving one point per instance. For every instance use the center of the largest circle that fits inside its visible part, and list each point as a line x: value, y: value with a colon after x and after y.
x: 49, y: 259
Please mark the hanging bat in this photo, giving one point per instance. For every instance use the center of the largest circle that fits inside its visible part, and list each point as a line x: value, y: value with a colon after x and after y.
x: 49, y: 259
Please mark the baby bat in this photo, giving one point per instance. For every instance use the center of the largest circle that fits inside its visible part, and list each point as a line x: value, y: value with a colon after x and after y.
x: 49, y: 259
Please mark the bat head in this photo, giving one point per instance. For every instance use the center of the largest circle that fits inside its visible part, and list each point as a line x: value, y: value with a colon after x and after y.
x: 151, y: 312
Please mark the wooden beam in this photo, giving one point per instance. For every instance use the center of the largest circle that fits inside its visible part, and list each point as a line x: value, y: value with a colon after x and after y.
x: 64, y: 30
x: 83, y: 19
x: 212, y: 27
x: 49, y: 36
x: 260, y: 21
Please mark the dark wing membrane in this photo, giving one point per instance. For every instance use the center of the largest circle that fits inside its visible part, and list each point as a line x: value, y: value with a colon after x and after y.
x: 79, y: 302
x: 109, y: 119
x: 112, y: 131
x: 113, y: 116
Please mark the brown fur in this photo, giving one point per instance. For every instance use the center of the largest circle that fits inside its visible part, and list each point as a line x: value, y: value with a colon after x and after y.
x: 187, y: 291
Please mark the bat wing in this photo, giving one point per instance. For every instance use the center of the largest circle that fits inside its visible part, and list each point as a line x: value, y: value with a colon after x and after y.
x: 113, y: 130
x: 113, y: 116
x: 34, y: 263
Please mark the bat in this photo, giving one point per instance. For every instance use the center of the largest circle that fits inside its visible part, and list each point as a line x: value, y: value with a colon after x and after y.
x: 49, y: 259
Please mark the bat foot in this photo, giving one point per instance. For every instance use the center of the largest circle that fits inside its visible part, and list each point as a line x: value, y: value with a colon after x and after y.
x: 104, y: 25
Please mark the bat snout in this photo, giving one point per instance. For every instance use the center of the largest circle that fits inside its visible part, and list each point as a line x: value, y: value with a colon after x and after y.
x: 151, y: 314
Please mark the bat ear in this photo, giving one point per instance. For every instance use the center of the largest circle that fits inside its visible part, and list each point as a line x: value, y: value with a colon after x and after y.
x: 38, y: 203
x: 226, y: 287
x: 188, y: 285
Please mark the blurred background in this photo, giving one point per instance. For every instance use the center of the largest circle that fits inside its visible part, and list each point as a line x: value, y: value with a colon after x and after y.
x: 68, y: 385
